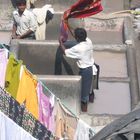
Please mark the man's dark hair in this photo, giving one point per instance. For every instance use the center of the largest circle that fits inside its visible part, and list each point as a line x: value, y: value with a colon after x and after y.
x: 80, y: 34
x: 18, y: 2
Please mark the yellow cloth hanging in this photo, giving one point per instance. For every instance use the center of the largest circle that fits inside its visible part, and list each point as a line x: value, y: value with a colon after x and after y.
x: 27, y: 92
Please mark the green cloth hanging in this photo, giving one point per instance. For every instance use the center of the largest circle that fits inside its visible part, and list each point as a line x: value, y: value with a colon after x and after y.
x: 12, y: 75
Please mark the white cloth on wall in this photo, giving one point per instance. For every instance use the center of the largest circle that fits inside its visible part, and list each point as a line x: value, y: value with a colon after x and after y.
x: 9, y: 130
x: 3, y: 66
x: 82, y: 131
x: 40, y: 14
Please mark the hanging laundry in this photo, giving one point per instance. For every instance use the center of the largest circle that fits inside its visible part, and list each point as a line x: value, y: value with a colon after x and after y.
x: 3, y: 65
x: 83, y: 131
x: 4, y: 46
x: 42, y: 14
x: 12, y: 75
x: 9, y: 129
x: 27, y: 93
x: 28, y: 122
x: 52, y: 115
x: 45, y: 107
x: 83, y: 8
x: 43, y: 103
x: 10, y: 107
x: 16, y: 111
x: 66, y: 123
x: 80, y: 9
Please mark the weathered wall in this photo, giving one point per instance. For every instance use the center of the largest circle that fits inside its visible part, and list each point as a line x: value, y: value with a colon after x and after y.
x: 6, y: 8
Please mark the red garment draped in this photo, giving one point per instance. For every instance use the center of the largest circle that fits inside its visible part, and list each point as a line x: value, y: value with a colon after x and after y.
x: 83, y: 8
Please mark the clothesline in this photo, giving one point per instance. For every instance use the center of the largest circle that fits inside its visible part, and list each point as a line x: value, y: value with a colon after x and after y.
x: 55, y: 96
x: 46, y: 88
x: 67, y: 111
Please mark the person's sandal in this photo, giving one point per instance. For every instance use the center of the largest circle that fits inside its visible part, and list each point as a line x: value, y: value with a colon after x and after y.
x: 83, y: 107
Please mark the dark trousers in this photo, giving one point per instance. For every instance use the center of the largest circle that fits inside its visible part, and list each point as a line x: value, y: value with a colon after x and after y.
x: 86, y: 74
x: 60, y: 60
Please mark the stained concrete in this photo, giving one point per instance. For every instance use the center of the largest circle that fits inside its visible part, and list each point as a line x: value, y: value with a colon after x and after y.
x: 111, y: 98
x: 112, y: 64
x: 104, y: 31
x: 62, y: 5
x: 111, y: 6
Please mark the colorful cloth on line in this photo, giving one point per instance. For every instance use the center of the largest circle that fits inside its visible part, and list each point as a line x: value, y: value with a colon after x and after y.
x: 45, y: 108
x: 9, y: 130
x: 27, y: 92
x: 83, y: 8
x: 80, y: 9
x: 3, y: 65
x: 10, y: 107
x: 12, y: 75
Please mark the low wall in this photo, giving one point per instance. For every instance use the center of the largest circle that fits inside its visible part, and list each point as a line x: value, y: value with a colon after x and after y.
x: 67, y: 88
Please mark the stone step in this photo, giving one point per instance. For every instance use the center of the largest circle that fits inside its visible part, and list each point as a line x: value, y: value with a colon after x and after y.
x: 99, y: 120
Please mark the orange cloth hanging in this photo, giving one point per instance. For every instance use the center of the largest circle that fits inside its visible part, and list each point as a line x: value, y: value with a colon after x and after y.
x: 27, y: 93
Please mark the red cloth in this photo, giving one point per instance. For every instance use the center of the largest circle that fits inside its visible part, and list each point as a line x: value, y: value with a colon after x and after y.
x: 64, y: 30
x: 83, y: 8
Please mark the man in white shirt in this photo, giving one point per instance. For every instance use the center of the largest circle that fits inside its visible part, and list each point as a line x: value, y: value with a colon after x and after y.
x: 25, y: 24
x: 83, y: 53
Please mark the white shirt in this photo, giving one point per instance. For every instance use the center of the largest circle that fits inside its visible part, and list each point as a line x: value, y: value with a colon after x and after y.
x: 24, y: 22
x: 9, y: 130
x: 83, y: 52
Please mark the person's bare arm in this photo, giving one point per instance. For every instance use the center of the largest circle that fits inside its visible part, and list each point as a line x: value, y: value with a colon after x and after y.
x: 62, y: 45
x: 14, y: 31
x: 25, y: 34
x: 14, y: 36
